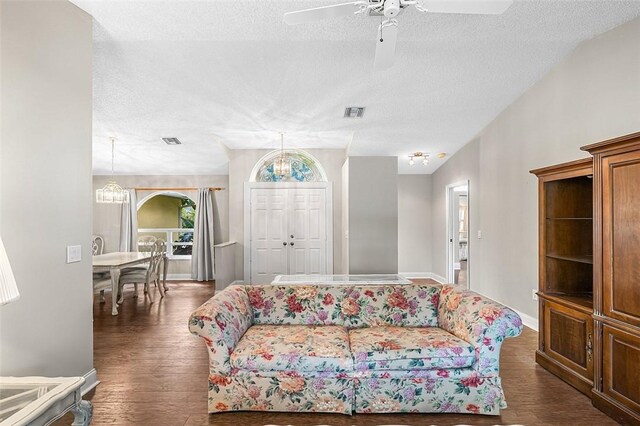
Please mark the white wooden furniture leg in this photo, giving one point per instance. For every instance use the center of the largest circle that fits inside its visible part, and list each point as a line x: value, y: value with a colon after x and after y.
x: 115, y: 277
x: 165, y: 268
x: 82, y: 414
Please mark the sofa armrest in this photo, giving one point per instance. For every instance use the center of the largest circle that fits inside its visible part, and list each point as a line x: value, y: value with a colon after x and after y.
x: 221, y: 322
x: 480, y: 321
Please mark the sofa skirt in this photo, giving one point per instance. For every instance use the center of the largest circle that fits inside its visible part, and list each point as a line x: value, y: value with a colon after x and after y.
x: 251, y: 392
x: 287, y: 392
x: 470, y: 395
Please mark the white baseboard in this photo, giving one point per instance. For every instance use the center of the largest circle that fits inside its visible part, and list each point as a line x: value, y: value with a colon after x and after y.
x: 528, y: 320
x: 178, y: 277
x: 91, y: 381
x: 237, y: 282
x: 440, y: 279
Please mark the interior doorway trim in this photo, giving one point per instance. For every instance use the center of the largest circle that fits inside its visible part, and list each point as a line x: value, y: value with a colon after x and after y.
x: 248, y: 186
x: 449, y: 246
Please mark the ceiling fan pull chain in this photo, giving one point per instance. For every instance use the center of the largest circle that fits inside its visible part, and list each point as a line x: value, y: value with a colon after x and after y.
x: 381, y: 28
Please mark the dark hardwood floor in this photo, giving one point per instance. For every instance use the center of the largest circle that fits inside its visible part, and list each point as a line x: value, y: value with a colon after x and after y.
x: 153, y: 372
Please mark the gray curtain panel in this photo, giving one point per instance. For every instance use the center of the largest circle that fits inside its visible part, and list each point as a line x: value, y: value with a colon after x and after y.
x: 129, y: 223
x: 202, y: 257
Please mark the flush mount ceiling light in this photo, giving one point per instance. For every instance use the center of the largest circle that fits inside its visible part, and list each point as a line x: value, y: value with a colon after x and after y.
x: 112, y: 193
x: 419, y: 156
x: 282, y: 164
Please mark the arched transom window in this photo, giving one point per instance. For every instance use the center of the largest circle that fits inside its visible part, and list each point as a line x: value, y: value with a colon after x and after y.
x: 304, y: 168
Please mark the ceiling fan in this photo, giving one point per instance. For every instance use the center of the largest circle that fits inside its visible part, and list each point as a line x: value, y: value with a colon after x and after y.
x: 389, y: 10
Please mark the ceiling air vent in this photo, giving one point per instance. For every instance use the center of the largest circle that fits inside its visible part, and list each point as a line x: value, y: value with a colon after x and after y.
x: 172, y: 141
x: 354, y: 112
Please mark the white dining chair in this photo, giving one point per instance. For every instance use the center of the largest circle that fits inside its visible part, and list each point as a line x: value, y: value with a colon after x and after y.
x: 146, y: 276
x: 101, y: 280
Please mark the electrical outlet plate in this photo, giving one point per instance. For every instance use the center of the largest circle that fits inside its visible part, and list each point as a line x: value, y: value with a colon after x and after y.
x: 534, y: 294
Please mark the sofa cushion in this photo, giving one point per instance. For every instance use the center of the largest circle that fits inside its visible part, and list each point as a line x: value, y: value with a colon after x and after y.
x: 293, y: 348
x: 408, y: 348
x: 351, y: 306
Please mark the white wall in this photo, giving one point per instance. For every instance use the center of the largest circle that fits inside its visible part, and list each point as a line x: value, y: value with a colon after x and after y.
x: 45, y: 187
x: 344, y: 235
x: 106, y: 217
x: 241, y: 163
x: 591, y: 96
x: 414, y: 224
x: 373, y: 215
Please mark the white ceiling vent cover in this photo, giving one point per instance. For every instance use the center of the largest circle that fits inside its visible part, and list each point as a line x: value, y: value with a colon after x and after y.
x: 172, y: 141
x: 354, y: 112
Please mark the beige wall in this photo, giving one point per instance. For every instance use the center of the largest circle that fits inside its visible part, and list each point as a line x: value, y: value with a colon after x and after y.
x: 240, y: 165
x: 45, y: 187
x: 590, y: 96
x: 106, y: 217
x: 414, y: 224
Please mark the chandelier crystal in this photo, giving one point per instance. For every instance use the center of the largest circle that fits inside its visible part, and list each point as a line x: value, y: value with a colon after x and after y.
x: 112, y: 193
x: 282, y: 164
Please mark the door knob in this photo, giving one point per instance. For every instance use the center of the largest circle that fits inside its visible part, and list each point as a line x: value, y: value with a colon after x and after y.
x: 292, y: 236
x: 291, y: 243
x: 284, y: 243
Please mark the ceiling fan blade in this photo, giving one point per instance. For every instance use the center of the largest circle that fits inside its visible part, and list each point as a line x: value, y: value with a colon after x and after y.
x: 386, y: 49
x: 319, y: 13
x: 481, y: 7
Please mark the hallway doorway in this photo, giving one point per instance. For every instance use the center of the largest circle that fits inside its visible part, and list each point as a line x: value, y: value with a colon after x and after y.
x: 458, y: 233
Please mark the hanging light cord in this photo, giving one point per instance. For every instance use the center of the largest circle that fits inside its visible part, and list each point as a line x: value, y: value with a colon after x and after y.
x: 112, y: 155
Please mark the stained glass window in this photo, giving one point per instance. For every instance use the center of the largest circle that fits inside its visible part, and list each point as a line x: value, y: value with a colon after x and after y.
x: 304, y: 168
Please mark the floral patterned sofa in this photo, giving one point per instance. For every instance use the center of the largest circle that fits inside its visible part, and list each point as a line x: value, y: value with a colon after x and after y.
x: 363, y: 347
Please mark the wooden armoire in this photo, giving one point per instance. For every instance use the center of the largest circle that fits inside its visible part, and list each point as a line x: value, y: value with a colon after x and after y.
x: 589, y: 275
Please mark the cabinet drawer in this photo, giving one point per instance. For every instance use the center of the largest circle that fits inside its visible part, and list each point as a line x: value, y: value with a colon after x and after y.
x: 621, y: 366
x: 568, y: 338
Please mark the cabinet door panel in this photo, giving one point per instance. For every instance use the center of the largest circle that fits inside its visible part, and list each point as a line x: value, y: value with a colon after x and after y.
x: 621, y: 373
x: 567, y: 335
x: 621, y: 236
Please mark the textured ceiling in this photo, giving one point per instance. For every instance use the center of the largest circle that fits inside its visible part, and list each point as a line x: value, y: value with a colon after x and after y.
x: 216, y: 73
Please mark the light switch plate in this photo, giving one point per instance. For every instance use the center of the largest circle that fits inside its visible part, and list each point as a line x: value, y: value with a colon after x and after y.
x: 479, y: 234
x: 74, y: 254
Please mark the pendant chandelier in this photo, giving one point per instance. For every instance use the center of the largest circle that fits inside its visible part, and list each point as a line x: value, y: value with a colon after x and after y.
x: 282, y: 164
x: 112, y: 193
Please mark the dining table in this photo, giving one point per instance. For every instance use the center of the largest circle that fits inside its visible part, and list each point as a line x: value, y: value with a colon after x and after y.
x: 113, y: 263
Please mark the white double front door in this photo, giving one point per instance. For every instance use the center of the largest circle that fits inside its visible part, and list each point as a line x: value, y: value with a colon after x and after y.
x: 288, y: 232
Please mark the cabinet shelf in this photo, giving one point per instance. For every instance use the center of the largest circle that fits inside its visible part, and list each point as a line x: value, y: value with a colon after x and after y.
x: 569, y: 218
x: 584, y: 300
x: 583, y: 258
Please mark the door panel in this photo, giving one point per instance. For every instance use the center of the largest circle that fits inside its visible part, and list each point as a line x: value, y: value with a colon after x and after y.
x: 621, y: 236
x: 567, y: 336
x: 268, y: 230
x: 621, y: 376
x: 288, y: 233
x: 309, y: 230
